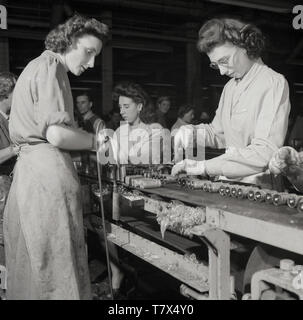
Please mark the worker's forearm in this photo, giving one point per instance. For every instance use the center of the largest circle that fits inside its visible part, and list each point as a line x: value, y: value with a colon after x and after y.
x: 69, y: 138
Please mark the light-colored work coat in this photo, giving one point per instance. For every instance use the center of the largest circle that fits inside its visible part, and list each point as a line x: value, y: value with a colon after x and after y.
x: 251, y: 123
x: 43, y: 223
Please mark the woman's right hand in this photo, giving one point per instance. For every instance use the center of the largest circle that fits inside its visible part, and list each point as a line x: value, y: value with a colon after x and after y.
x: 103, y: 141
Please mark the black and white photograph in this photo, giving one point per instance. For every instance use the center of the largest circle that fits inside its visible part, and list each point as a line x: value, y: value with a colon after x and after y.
x: 151, y: 150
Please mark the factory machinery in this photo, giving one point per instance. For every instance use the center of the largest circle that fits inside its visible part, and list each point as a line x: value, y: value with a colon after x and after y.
x: 213, y: 212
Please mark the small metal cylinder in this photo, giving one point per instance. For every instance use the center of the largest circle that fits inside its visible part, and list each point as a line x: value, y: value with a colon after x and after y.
x: 260, y: 195
x: 242, y: 192
x: 300, y: 205
x: 269, y: 196
x: 227, y: 191
x: 251, y: 193
x: 280, y: 198
x: 222, y: 190
x: 292, y: 200
x: 234, y: 191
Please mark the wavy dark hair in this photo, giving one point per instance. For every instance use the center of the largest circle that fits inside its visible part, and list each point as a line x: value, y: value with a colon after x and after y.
x: 60, y: 38
x: 184, y: 109
x: 138, y: 95
x: 216, y: 32
x: 7, y: 84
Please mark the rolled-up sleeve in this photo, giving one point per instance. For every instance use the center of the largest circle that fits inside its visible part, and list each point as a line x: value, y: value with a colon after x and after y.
x: 269, y: 135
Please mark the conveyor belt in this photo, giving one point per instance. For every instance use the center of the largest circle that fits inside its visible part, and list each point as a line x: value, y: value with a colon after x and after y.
x: 280, y: 215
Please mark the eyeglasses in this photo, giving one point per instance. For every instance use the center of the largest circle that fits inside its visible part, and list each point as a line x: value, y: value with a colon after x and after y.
x: 223, y: 62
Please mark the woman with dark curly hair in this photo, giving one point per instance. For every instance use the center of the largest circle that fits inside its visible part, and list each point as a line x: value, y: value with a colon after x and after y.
x: 251, y: 120
x: 137, y: 141
x: 43, y: 224
x: 132, y: 141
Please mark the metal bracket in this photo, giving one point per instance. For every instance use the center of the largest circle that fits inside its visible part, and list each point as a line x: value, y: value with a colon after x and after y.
x: 218, y: 243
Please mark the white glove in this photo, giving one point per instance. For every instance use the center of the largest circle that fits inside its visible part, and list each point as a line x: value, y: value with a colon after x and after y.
x: 190, y: 167
x: 283, y: 160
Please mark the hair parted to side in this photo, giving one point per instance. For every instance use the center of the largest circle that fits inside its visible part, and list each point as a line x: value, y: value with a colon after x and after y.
x: 138, y: 95
x: 60, y: 38
x: 216, y: 32
x: 7, y: 84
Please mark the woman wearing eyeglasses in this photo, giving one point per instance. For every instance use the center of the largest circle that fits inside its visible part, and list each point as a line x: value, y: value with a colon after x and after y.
x: 251, y: 120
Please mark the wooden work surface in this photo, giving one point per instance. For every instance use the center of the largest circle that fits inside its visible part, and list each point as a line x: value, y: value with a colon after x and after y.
x: 281, y: 226
x: 267, y: 212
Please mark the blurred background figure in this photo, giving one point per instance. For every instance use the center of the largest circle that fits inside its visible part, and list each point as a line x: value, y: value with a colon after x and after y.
x: 114, y: 119
x: 163, y: 105
x: 204, y: 117
x: 295, y: 138
x: 186, y: 115
x: 7, y: 150
x: 87, y: 120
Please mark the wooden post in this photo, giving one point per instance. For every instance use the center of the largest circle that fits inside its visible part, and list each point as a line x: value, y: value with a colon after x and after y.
x: 107, y: 67
x: 193, y: 68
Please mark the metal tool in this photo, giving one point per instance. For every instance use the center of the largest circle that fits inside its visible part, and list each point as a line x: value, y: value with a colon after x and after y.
x: 102, y: 213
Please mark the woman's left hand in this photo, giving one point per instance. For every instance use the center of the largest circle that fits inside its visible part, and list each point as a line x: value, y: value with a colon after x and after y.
x: 190, y: 167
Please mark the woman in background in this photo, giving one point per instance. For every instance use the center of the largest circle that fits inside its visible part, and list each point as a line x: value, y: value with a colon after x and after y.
x: 163, y: 106
x: 137, y: 141
x: 43, y: 224
x: 186, y: 115
x: 132, y: 141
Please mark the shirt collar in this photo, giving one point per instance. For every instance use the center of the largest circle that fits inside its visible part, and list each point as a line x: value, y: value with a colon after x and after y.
x: 88, y: 115
x: 253, y: 69
x: 55, y: 55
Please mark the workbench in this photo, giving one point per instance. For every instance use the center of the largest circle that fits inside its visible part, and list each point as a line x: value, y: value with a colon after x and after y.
x: 138, y: 232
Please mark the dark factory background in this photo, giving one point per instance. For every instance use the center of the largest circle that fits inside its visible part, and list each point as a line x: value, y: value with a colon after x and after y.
x: 154, y: 43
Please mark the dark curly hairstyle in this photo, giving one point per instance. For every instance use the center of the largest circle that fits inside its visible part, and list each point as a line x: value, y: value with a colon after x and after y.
x: 61, y: 37
x: 216, y: 32
x: 184, y: 109
x: 138, y: 95
x: 7, y: 84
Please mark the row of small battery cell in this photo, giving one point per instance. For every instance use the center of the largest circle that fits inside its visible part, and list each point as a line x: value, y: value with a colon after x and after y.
x: 246, y: 192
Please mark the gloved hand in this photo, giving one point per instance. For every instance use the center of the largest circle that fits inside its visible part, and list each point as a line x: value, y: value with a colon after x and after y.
x: 283, y: 160
x: 103, y: 140
x: 190, y: 167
